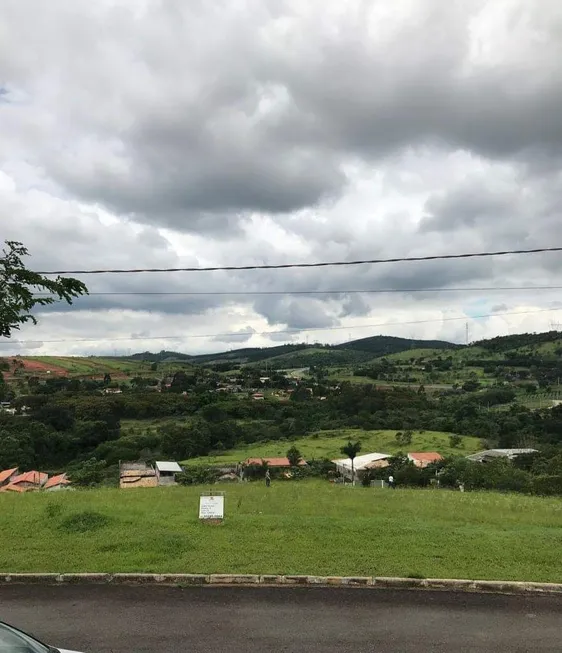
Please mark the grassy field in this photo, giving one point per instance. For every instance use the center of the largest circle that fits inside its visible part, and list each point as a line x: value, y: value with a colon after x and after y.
x: 327, y: 444
x: 91, y: 366
x: 96, y: 366
x: 292, y: 528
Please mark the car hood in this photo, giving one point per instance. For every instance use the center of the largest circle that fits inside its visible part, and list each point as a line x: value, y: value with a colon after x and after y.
x: 65, y: 650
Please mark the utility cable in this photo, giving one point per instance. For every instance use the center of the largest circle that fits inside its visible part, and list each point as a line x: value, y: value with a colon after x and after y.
x: 280, y: 266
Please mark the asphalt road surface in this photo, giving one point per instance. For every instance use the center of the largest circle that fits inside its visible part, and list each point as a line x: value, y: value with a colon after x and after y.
x: 100, y: 619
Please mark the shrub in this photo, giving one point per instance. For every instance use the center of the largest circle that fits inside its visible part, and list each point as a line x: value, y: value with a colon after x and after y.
x: 547, y: 485
x: 403, y: 438
x: 197, y: 476
x: 455, y: 441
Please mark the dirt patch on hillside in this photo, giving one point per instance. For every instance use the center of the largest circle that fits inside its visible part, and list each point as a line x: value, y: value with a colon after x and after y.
x: 36, y: 367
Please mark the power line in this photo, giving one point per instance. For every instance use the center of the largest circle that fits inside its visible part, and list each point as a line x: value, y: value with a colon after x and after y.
x: 439, y: 257
x: 286, y: 331
x: 314, y: 292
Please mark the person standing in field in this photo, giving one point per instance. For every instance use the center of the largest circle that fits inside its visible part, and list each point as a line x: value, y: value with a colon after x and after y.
x: 267, y: 478
x: 391, y: 482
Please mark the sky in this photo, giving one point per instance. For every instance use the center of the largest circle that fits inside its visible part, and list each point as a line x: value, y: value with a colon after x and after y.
x: 182, y: 133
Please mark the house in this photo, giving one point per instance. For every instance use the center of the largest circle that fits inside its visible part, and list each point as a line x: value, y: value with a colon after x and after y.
x: 278, y: 463
x: 166, y: 472
x: 137, y: 475
x: 32, y: 480
x: 258, y: 395
x: 361, y: 464
x: 491, y: 454
x: 7, y: 475
x: 12, y: 488
x: 55, y: 483
x: 425, y: 458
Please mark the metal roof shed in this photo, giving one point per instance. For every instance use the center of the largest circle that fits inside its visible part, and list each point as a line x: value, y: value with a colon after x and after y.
x: 170, y: 467
x: 166, y: 471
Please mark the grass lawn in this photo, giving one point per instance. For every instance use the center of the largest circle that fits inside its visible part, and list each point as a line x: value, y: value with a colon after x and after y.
x: 292, y: 528
x: 327, y: 444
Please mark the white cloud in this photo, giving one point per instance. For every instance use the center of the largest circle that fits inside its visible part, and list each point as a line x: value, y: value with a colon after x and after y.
x: 171, y: 134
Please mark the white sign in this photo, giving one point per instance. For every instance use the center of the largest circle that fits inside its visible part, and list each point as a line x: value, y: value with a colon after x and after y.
x: 211, y: 507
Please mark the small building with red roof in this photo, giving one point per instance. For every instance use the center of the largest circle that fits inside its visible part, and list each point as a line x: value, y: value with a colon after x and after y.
x: 12, y: 488
x: 32, y: 480
x: 7, y: 475
x: 424, y: 458
x: 273, y: 462
x: 59, y: 482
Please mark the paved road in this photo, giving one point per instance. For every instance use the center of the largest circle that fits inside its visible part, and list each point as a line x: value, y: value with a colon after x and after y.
x: 100, y: 619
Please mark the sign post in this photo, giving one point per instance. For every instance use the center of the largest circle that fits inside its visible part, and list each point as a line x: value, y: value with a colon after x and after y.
x: 211, y: 507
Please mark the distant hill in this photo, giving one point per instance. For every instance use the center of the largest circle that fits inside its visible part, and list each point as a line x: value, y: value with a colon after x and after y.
x: 521, y: 341
x: 163, y: 356
x: 385, y: 345
x: 303, y: 355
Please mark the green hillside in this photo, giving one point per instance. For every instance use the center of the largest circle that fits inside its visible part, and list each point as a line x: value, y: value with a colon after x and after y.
x: 301, y: 354
x: 328, y: 444
x: 385, y: 345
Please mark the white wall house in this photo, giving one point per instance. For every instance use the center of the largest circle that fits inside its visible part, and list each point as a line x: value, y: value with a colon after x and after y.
x: 361, y: 464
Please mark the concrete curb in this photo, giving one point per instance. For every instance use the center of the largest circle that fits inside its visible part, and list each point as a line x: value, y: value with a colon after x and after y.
x: 253, y: 580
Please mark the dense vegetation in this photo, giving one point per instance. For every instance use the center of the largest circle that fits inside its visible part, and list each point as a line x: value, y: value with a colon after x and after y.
x: 194, y: 411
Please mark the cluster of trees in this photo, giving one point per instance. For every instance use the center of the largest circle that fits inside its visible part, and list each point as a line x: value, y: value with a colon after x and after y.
x: 518, y: 341
x: 68, y: 426
x: 535, y: 473
x: 70, y: 422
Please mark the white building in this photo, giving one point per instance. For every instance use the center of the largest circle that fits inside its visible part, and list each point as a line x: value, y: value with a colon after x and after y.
x: 166, y: 472
x: 361, y: 464
x: 490, y: 454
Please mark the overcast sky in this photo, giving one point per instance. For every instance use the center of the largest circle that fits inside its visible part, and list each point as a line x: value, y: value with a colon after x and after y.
x: 171, y: 133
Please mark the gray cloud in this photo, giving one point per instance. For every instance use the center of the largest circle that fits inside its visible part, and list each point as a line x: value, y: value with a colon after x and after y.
x: 239, y: 336
x: 273, y: 133
x: 261, y: 119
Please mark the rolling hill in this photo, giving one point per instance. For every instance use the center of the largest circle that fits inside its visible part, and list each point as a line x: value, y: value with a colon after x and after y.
x: 298, y: 355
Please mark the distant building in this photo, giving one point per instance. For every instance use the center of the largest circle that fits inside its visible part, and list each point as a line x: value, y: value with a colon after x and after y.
x: 273, y: 462
x: 7, y: 475
x: 137, y: 475
x: 166, y: 472
x: 26, y: 482
x: 56, y: 483
x: 424, y: 458
x: 361, y: 464
x: 258, y: 395
x: 491, y: 454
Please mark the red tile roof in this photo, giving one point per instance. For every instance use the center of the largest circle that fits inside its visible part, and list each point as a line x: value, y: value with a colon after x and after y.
x: 272, y: 462
x: 428, y: 456
x: 38, y: 478
x: 57, y: 480
x: 5, y: 475
x: 12, y: 488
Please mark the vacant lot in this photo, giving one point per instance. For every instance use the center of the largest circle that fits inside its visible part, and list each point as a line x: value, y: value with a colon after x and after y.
x: 308, y: 528
x: 327, y: 444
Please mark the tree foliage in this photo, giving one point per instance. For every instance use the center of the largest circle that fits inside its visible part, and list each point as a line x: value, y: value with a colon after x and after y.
x: 294, y: 456
x: 20, y: 288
